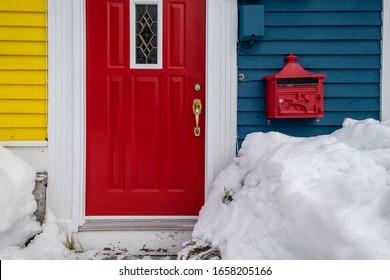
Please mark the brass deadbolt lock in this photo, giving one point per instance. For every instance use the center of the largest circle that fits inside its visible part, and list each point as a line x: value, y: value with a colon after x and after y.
x: 197, y: 87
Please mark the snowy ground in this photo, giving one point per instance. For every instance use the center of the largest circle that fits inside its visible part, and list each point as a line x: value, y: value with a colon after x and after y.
x: 325, y: 197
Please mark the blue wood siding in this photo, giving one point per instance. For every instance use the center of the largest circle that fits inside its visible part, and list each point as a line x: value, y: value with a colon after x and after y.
x: 339, y: 38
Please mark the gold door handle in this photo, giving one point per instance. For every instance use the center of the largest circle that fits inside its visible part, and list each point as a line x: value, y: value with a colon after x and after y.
x: 197, y: 109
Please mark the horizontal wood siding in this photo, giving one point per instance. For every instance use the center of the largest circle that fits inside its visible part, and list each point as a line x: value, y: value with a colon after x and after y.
x: 23, y: 70
x: 339, y: 38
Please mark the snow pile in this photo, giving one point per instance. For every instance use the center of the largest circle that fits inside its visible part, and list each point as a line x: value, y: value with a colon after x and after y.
x: 325, y: 197
x: 17, y: 223
x: 17, y: 180
x: 47, y: 245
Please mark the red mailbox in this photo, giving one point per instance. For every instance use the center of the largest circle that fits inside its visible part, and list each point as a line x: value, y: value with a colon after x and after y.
x: 294, y: 92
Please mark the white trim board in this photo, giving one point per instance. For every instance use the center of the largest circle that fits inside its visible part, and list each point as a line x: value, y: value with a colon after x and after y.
x: 33, y: 152
x: 35, y: 156
x: 385, y: 71
x: 23, y: 143
x: 66, y: 111
x: 67, y: 90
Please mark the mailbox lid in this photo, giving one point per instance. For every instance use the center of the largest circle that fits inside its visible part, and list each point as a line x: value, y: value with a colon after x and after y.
x: 292, y: 69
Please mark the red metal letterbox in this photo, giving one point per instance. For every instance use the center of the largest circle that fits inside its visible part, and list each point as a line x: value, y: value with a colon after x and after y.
x: 294, y: 92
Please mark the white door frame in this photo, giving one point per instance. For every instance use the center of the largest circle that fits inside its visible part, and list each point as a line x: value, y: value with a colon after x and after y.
x: 67, y: 91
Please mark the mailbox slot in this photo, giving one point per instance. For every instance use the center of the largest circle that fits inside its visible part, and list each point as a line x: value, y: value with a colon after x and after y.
x: 294, y: 92
x: 291, y: 82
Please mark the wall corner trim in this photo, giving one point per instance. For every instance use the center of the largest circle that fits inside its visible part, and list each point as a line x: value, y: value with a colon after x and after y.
x: 385, y: 73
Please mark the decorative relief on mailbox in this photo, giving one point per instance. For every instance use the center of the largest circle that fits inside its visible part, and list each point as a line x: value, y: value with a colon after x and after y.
x: 294, y: 92
x: 299, y: 102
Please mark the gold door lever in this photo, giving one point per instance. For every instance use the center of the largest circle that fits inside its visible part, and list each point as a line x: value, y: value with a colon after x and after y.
x: 197, y: 109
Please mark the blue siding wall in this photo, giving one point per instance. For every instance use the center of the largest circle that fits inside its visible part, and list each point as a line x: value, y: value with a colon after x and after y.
x: 339, y: 38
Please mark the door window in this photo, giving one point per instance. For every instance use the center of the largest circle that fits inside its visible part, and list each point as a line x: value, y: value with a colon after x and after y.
x: 146, y: 34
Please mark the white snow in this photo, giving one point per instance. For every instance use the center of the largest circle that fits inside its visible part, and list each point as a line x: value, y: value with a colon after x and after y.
x: 17, y: 223
x: 16, y: 200
x: 325, y: 197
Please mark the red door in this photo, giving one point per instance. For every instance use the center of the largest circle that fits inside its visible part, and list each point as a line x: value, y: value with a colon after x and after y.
x: 143, y: 157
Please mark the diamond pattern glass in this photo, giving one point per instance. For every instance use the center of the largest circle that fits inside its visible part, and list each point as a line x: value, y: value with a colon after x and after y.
x: 146, y: 34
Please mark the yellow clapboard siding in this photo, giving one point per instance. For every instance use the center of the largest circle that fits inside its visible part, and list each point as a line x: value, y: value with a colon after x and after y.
x: 23, y: 106
x: 23, y: 5
x: 22, y: 19
x: 22, y: 48
x: 22, y: 92
x: 7, y: 134
x: 23, y: 120
x: 35, y: 77
x: 23, y: 70
x: 22, y: 62
x: 8, y: 33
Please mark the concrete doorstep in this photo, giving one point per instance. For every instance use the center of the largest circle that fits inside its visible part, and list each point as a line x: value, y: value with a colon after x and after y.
x: 134, y: 239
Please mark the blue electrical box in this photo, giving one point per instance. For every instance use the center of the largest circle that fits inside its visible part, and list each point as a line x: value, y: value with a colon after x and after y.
x: 251, y: 22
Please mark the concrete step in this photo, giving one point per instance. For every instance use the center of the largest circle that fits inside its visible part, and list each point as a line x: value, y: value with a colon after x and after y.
x: 159, y: 237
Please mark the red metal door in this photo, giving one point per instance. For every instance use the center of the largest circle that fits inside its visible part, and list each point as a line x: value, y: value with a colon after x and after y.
x: 142, y: 155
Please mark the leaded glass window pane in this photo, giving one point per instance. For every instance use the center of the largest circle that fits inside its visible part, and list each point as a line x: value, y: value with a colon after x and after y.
x: 146, y: 34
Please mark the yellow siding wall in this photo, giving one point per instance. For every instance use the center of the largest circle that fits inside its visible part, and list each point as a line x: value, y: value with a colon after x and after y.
x: 23, y: 70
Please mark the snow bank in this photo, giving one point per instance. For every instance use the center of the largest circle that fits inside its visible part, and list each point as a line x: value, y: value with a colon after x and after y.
x: 17, y: 180
x: 47, y: 245
x: 17, y: 223
x: 324, y: 197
